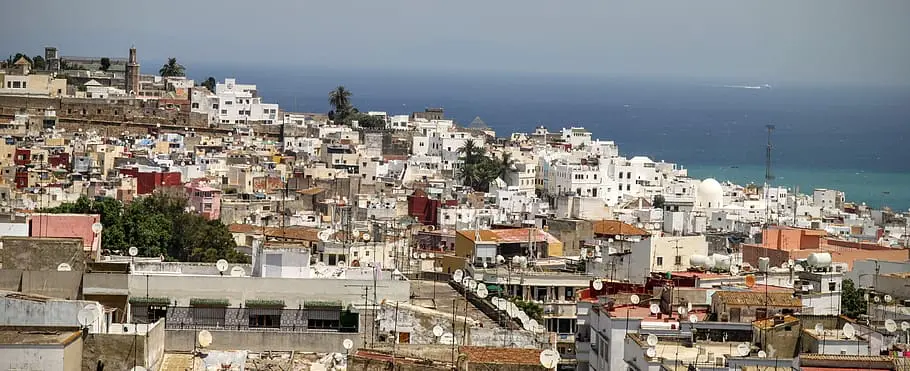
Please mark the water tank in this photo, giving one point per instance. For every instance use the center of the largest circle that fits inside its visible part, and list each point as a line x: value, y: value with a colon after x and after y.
x: 763, y: 264
x: 721, y: 262
x: 698, y: 261
x: 819, y: 259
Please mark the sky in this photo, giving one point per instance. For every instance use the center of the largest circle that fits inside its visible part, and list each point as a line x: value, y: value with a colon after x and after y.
x: 849, y: 41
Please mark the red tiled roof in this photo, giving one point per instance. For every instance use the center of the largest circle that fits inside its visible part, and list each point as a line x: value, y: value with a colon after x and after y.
x: 616, y: 227
x: 515, y: 235
x: 506, y: 356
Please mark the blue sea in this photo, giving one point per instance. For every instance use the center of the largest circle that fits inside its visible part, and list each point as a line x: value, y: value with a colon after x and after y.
x: 850, y: 138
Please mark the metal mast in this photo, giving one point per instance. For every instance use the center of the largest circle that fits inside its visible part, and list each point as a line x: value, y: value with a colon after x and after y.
x: 768, y: 176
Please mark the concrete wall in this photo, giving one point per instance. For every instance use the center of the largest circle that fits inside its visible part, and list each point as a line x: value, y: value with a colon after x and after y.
x: 40, y: 357
x: 41, y: 254
x: 64, y: 285
x: 571, y: 233
x: 18, y: 312
x: 293, y: 291
x: 124, y: 351
x: 260, y: 341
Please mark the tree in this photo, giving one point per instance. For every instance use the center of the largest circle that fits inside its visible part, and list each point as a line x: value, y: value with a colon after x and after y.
x: 105, y: 63
x: 340, y: 99
x: 172, y: 69
x: 39, y: 63
x: 210, y: 83
x: 478, y: 169
x: 852, y: 302
x: 367, y: 121
x: 504, y: 164
x: 658, y: 202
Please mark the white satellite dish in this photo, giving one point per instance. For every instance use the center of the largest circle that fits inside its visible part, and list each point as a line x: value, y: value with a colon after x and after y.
x: 693, y: 318
x: 533, y: 324
x: 64, y: 267
x: 743, y: 349
x: 222, y: 265
x: 513, y: 311
x: 341, y: 263
x: 482, y: 291
x: 597, y: 285
x: 438, y: 331
x: 849, y: 331
x: 876, y: 299
x: 97, y: 227
x: 790, y: 262
x: 415, y: 255
x: 905, y: 325
x: 651, y: 352
x: 501, y: 305
x: 905, y: 311
x: 237, y: 271
x: 652, y: 340
x: 87, y: 316
x: 634, y: 299
x: 423, y: 255
x: 890, y: 325
x: 819, y: 329
x: 540, y: 329
x: 458, y: 275
x: 134, y: 251
x: 682, y: 311
x: 762, y: 354
x: 204, y: 338
x: 655, y: 309
x: 500, y: 259
x: 689, y: 306
x: 348, y: 344
x: 431, y: 255
x: 367, y: 237
x: 447, y: 338
x: 549, y: 358
x: 888, y: 299
x: 734, y: 270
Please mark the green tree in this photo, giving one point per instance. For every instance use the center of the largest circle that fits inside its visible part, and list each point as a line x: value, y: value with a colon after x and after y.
x: 852, y: 302
x: 340, y: 99
x: 658, y: 202
x: 504, y: 164
x: 210, y: 83
x: 478, y: 169
x: 39, y: 63
x: 105, y: 63
x: 367, y: 121
x: 172, y: 69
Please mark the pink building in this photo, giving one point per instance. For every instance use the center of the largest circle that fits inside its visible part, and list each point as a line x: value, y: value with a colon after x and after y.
x: 204, y: 199
x: 69, y: 226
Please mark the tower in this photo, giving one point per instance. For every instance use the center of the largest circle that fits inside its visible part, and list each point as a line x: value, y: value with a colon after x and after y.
x: 132, y: 74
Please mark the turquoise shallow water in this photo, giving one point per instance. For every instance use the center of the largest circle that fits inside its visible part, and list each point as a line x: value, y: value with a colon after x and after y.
x: 873, y: 188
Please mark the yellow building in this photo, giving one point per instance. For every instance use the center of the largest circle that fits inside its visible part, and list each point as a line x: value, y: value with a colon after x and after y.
x: 479, y: 247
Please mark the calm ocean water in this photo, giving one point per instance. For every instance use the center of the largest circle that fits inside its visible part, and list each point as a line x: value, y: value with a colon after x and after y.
x: 848, y: 138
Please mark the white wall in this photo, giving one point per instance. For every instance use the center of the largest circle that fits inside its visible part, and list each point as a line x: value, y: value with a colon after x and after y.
x: 31, y: 357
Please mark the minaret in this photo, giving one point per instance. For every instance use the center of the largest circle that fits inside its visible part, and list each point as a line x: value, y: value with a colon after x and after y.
x: 132, y: 74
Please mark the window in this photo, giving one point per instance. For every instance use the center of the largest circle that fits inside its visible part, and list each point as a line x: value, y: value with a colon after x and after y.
x: 678, y: 260
x: 570, y: 294
x: 224, y: 112
x: 660, y: 261
x: 196, y: 105
x: 832, y: 286
x: 265, y: 317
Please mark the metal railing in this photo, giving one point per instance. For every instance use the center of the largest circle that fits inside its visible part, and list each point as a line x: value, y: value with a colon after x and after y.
x: 257, y: 319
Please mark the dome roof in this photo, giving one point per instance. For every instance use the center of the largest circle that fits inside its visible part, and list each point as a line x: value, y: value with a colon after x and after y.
x: 709, y: 193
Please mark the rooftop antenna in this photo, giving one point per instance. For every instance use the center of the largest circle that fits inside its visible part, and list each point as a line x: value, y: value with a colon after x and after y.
x: 768, y: 175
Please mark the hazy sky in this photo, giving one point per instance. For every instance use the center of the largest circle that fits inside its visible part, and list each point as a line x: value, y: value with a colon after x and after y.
x: 756, y: 41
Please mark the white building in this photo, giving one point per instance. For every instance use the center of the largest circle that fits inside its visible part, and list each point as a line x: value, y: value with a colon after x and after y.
x: 576, y: 136
x: 233, y: 103
x: 828, y: 198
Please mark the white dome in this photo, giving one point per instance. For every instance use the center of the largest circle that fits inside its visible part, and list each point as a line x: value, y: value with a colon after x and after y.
x: 709, y: 194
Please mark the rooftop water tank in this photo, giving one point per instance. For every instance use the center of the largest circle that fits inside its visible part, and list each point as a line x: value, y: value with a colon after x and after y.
x: 763, y: 264
x: 819, y: 259
x: 698, y: 261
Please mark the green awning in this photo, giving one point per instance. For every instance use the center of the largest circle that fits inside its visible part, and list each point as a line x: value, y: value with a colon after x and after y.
x: 494, y: 288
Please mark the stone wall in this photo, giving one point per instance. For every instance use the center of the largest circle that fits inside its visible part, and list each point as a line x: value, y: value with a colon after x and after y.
x: 41, y: 254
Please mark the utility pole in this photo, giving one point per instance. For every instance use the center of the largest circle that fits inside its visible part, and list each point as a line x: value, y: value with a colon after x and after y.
x: 768, y: 175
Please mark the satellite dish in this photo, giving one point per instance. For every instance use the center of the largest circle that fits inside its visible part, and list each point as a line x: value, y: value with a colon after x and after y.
x: 734, y: 270
x: 905, y: 325
x: 540, y: 329
x: 790, y: 262
x: 133, y: 251
x: 762, y: 354
x: 64, y: 267
x: 347, y: 344
x: 743, y: 349
x: 888, y: 299
x: 447, y: 338
x: 533, y: 324
x: 890, y: 325
x: 682, y: 311
x: 482, y: 291
x: 635, y: 299
x: 341, y: 263
x: 693, y: 318
x: 597, y: 285
x: 438, y: 331
x: 458, y: 275
x: 876, y: 299
x: 652, y: 340
x: 905, y: 311
x: 500, y: 259
x: 97, y: 227
x: 237, y: 271
x: 549, y: 358
x: 423, y: 255
x: 819, y: 328
x: 500, y: 304
x: 655, y: 309
x: 689, y: 306
x: 849, y: 331
x: 222, y: 265
x: 651, y: 352
x: 204, y: 338
x: 367, y: 237
x: 415, y: 255
x: 866, y: 296
x: 87, y: 315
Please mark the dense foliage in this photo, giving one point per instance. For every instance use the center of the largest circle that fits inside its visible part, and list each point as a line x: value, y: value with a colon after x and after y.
x: 340, y: 100
x: 530, y: 308
x: 852, y: 301
x: 105, y: 63
x: 158, y: 225
x: 478, y: 169
x: 210, y: 83
x: 172, y: 69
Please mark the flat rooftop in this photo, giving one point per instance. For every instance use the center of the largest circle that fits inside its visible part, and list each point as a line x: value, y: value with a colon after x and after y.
x: 37, y: 336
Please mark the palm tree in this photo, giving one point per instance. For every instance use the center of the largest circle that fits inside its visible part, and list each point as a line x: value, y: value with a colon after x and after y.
x: 505, y: 164
x: 340, y: 99
x: 171, y: 68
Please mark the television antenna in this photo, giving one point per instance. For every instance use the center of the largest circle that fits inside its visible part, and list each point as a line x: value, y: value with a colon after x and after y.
x: 134, y: 251
x: 849, y: 331
x: 237, y: 271
x: 348, y: 344
x: 64, y: 267
x: 549, y: 358
x: 890, y: 325
x: 221, y: 265
x: 743, y: 349
x: 652, y: 340
x: 634, y: 299
x: 597, y: 285
x: 438, y: 331
x: 204, y: 338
